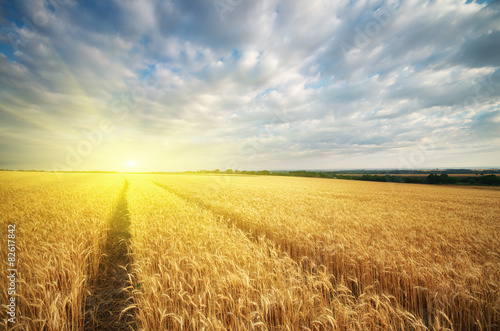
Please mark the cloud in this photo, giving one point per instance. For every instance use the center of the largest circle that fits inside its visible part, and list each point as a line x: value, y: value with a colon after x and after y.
x: 481, y: 52
x: 266, y: 83
x: 487, y: 124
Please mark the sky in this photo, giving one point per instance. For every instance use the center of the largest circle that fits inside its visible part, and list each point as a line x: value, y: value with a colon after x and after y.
x: 181, y: 85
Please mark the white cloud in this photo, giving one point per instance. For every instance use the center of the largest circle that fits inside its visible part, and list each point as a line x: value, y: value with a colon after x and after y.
x: 276, y: 81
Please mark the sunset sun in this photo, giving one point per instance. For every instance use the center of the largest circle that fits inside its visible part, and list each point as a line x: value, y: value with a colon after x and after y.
x: 130, y: 163
x: 250, y: 164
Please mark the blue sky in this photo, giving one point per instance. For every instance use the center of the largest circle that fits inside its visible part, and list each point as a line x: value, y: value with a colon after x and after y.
x: 186, y: 85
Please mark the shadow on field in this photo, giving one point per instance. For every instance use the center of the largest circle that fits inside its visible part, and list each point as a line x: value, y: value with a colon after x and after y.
x: 341, y: 267
x: 110, y: 293
x: 233, y: 219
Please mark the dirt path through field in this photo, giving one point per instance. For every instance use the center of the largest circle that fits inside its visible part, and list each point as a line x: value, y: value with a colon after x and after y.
x: 110, y: 294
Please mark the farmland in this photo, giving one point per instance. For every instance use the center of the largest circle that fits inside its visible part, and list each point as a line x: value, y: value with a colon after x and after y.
x: 194, y: 252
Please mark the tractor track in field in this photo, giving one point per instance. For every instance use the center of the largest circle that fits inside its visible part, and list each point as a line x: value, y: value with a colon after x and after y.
x: 235, y: 219
x: 232, y: 218
x: 309, y: 265
x: 308, y: 260
x: 110, y: 292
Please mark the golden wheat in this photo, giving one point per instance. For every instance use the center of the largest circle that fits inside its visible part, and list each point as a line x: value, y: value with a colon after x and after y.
x: 434, y: 249
x: 60, y: 229
x: 249, y: 253
x: 195, y: 271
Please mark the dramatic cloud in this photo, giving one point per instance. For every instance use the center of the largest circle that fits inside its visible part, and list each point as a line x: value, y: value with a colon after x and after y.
x: 186, y: 85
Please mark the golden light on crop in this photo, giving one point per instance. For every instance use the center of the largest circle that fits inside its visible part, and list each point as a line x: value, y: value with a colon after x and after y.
x: 250, y: 252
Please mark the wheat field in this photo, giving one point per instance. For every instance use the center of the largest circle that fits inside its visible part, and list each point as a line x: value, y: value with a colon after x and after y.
x: 234, y: 252
x: 60, y: 229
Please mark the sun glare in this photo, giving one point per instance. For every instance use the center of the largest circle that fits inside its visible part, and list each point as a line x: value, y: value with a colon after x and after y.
x: 130, y: 163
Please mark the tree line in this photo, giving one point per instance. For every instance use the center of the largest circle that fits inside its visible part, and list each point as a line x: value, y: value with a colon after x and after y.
x: 432, y: 178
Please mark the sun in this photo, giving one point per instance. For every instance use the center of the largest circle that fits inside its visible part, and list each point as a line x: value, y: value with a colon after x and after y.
x: 130, y: 163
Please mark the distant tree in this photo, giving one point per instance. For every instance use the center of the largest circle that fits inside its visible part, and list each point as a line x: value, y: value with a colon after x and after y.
x: 216, y: 171
x: 472, y: 181
x: 432, y: 179
x: 490, y: 180
x: 229, y: 171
